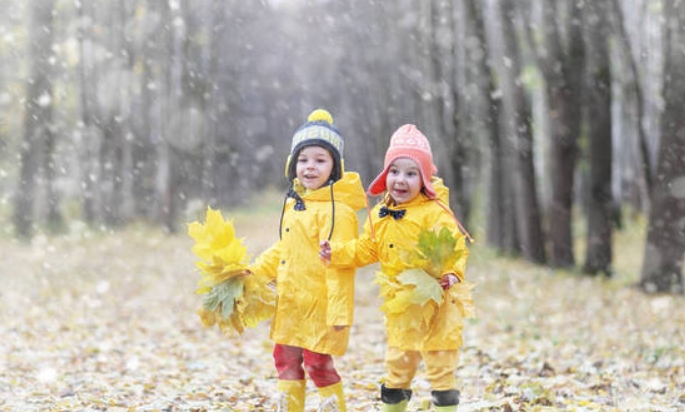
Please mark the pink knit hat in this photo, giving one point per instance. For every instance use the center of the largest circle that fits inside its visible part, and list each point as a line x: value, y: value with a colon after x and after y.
x: 407, y: 142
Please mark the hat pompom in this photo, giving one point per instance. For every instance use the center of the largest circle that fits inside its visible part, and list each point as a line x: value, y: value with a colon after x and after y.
x: 320, y: 115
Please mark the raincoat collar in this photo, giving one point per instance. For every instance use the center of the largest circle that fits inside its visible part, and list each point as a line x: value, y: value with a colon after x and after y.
x: 348, y: 190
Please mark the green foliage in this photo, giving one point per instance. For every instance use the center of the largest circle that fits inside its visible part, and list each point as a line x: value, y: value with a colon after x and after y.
x: 437, y: 248
x: 223, y: 297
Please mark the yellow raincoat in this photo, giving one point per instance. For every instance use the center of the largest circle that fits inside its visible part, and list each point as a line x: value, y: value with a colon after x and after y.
x: 429, y: 327
x: 312, y: 298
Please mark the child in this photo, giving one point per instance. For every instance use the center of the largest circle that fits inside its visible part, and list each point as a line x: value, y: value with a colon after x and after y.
x: 314, y: 305
x: 414, y: 201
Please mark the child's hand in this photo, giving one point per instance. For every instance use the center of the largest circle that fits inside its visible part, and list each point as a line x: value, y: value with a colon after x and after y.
x: 325, y: 251
x: 448, y: 280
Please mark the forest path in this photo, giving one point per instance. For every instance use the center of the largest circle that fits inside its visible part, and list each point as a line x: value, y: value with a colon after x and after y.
x: 107, y: 322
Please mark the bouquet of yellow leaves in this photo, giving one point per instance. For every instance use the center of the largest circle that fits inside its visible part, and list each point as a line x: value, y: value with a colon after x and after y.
x: 232, y: 300
x: 434, y: 252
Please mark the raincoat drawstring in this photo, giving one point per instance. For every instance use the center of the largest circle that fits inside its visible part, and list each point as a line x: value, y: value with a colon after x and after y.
x: 330, y: 234
x: 299, y: 205
x: 463, y: 230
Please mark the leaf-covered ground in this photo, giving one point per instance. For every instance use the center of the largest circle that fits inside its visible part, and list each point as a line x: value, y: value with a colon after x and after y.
x: 95, y: 322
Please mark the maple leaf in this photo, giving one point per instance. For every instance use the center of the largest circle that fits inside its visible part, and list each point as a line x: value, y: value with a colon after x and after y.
x: 425, y: 286
x: 435, y: 251
x: 231, y: 301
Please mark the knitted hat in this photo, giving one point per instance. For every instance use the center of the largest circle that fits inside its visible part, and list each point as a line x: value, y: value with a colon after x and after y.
x: 407, y: 142
x: 318, y: 131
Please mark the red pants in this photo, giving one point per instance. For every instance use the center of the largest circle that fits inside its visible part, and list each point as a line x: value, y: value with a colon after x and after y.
x: 289, y: 360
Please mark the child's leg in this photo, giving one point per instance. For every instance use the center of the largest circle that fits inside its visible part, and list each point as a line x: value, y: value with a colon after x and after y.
x: 291, y: 384
x: 401, y: 367
x: 288, y: 360
x: 321, y: 369
x: 440, y: 367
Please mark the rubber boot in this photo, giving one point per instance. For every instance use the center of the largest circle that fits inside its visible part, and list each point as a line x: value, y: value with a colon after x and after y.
x: 446, y: 401
x: 394, y: 400
x: 290, y: 396
x: 332, y: 398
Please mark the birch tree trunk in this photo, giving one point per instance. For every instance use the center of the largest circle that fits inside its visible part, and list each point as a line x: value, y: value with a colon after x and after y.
x: 90, y: 136
x: 516, y: 141
x: 38, y: 117
x: 662, y: 270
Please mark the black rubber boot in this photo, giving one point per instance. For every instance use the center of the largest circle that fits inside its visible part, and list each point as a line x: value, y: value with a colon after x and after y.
x: 394, y: 400
x: 445, y: 401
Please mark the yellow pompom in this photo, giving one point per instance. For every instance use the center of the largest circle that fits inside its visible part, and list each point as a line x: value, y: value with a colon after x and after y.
x: 320, y: 114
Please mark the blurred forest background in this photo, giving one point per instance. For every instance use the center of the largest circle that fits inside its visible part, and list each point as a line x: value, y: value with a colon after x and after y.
x: 543, y: 115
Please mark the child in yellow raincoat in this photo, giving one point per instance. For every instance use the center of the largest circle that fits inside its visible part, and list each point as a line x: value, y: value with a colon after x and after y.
x: 315, y: 303
x: 414, y: 201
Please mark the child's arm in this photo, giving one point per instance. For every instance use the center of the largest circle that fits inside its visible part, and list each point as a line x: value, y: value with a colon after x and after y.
x: 266, y: 264
x: 350, y: 254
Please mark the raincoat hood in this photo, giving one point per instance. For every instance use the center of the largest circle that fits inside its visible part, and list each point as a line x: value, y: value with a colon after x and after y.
x: 347, y: 190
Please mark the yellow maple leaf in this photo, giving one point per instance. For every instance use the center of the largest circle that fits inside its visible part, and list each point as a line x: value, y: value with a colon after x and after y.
x: 231, y: 301
x: 221, y: 254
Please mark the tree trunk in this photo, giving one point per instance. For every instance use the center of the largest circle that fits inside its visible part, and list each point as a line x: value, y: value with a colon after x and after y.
x: 662, y: 270
x: 55, y: 220
x: 475, y: 10
x: 90, y: 139
x: 517, y: 143
x: 599, y: 233
x: 502, y: 163
x: 562, y: 76
x: 632, y: 52
x: 38, y: 117
x: 462, y: 158
x: 208, y: 66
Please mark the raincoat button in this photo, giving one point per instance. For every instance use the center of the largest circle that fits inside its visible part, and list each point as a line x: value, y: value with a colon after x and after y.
x: 391, y: 246
x: 283, y: 262
x: 287, y: 229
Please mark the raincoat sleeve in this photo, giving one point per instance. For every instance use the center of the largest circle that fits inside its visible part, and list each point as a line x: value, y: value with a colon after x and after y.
x: 340, y: 281
x: 355, y: 253
x: 266, y: 264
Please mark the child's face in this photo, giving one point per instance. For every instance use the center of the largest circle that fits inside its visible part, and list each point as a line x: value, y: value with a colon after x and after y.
x: 403, y: 180
x: 314, y: 166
